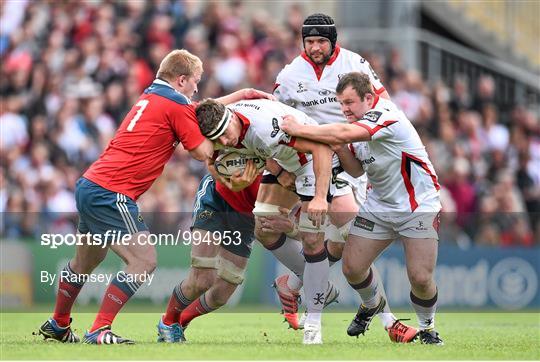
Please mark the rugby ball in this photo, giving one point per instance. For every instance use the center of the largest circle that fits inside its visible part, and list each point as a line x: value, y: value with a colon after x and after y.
x: 228, y: 163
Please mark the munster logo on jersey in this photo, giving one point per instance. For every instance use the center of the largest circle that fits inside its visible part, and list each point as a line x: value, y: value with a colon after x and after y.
x: 205, y: 214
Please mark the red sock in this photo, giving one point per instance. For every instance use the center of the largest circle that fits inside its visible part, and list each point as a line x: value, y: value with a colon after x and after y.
x: 177, y: 303
x: 194, y: 310
x: 69, y: 286
x: 116, y: 296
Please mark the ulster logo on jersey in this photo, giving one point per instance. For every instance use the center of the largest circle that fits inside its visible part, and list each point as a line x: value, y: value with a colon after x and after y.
x: 301, y: 88
x: 372, y: 116
x: 324, y: 92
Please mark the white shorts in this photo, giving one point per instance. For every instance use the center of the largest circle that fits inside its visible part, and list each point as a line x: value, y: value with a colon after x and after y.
x: 305, y: 182
x: 346, y: 184
x: 383, y: 226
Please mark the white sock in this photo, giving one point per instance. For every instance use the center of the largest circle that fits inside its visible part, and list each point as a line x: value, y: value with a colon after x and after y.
x: 425, y: 310
x: 313, y: 318
x: 315, y: 285
x: 289, y: 253
x: 368, y: 290
x: 294, y: 282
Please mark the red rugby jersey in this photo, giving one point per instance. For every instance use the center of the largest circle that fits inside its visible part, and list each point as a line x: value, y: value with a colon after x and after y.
x: 242, y: 201
x: 145, y: 141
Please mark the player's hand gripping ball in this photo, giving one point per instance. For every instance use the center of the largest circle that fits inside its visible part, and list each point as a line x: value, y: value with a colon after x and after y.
x: 228, y: 163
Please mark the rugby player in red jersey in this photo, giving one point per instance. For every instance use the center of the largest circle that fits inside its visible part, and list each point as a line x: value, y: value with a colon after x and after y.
x: 162, y: 117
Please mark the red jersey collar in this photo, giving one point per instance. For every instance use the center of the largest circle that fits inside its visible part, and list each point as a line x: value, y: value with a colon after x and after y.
x: 245, y: 125
x: 318, y: 70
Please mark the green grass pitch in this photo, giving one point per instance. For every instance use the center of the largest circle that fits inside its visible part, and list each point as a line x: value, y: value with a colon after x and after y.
x: 263, y: 336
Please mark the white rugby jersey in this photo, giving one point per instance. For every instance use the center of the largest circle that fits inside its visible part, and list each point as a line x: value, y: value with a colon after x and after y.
x: 261, y: 132
x: 302, y: 85
x: 396, y: 162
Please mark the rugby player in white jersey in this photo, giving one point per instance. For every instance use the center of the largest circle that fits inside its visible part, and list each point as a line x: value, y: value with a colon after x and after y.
x: 404, y: 201
x: 308, y: 84
x: 255, y: 127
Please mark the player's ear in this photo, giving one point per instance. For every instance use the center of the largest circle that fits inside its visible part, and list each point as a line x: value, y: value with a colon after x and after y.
x: 182, y: 79
x: 368, y: 97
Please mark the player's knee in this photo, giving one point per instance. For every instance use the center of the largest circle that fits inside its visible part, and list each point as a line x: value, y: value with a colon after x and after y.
x: 335, y: 249
x: 265, y: 238
x: 421, y: 280
x: 348, y: 271
x: 353, y: 272
x: 312, y: 243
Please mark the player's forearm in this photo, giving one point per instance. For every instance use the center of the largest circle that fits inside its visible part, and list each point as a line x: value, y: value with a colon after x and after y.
x: 272, y: 166
x: 231, y: 98
x: 332, y: 134
x: 203, y: 152
x: 322, y: 167
x: 350, y: 164
x: 243, y: 94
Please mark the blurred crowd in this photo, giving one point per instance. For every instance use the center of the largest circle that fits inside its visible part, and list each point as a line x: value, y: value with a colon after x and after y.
x: 71, y: 71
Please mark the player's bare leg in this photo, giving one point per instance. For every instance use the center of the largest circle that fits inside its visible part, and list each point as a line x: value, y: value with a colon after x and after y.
x: 269, y: 199
x: 202, y: 275
x: 358, y: 256
x: 141, y: 261
x: 230, y: 274
x: 343, y: 210
x: 87, y: 258
x: 288, y: 251
x: 421, y: 257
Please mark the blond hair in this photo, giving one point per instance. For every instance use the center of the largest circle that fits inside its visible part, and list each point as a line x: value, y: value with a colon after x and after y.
x: 178, y: 62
